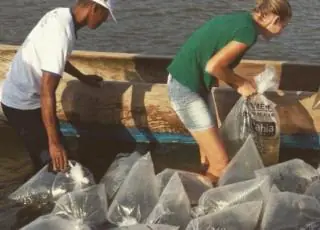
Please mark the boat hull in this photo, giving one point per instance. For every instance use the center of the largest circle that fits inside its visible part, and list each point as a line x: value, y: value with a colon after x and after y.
x: 133, y: 103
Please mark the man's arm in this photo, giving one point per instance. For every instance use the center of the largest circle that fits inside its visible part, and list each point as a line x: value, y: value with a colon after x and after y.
x: 49, y: 83
x: 70, y: 69
x: 92, y: 80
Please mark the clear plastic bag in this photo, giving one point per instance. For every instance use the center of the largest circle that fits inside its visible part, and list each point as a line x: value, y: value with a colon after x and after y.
x: 194, y: 184
x: 53, y: 222
x: 88, y: 206
x: 267, y: 80
x: 219, y: 198
x: 118, y: 171
x: 147, y: 227
x: 274, y: 189
x: 243, y: 165
x: 137, y: 196
x: 46, y: 186
x: 314, y: 190
x: 314, y: 225
x: 239, y: 217
x: 173, y: 207
x: 287, y: 210
x: 77, y: 177
x: 255, y: 115
x: 290, y: 176
x: 37, y: 190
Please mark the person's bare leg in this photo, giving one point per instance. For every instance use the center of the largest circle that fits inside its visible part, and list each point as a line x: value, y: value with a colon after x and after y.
x: 211, y: 145
x: 203, y: 156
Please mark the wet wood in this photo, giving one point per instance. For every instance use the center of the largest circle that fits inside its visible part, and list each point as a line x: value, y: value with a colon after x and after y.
x: 152, y: 68
x: 134, y: 94
x: 132, y: 105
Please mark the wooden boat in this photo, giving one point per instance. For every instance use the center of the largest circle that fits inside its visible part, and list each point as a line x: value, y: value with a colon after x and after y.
x: 133, y: 103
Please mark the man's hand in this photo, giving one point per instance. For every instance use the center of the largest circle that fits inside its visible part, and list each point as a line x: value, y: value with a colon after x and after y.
x: 59, y: 157
x: 92, y: 80
x: 247, y: 89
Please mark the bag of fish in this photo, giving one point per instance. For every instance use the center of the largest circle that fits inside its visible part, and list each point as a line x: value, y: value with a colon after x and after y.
x: 255, y: 115
x: 47, y: 186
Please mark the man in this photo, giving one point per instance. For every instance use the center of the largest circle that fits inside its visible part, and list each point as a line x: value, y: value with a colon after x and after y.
x: 28, y: 94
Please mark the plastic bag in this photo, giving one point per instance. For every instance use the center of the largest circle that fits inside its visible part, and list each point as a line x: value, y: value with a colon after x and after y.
x: 76, y: 178
x: 46, y: 186
x: 290, y: 176
x: 287, y: 210
x: 314, y: 190
x: 87, y: 205
x: 243, y: 165
x: 274, y: 189
x: 239, y: 217
x: 53, y: 222
x: 37, y: 190
x: 147, y: 227
x: 255, y: 115
x: 137, y: 196
x: 311, y: 226
x: 219, y: 198
x: 173, y: 207
x: 267, y: 80
x: 117, y: 172
x: 194, y: 184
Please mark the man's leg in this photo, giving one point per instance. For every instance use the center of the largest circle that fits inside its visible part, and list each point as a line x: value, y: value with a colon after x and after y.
x: 29, y: 126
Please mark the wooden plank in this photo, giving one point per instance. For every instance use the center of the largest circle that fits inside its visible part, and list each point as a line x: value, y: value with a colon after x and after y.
x: 294, y: 109
x: 140, y: 105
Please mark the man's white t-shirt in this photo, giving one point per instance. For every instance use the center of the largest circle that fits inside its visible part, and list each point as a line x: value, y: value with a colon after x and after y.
x: 46, y: 48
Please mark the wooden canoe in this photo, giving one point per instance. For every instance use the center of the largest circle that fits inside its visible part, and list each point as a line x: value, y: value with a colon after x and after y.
x: 133, y: 103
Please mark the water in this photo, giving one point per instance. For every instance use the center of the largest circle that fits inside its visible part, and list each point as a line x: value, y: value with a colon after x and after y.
x: 160, y: 27
x: 148, y: 27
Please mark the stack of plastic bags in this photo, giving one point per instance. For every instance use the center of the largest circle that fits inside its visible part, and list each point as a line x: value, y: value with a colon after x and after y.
x: 78, y: 202
x: 248, y: 196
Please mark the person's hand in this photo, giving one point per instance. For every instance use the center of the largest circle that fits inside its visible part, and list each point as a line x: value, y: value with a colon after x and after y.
x: 92, y: 80
x: 247, y: 89
x: 59, y: 157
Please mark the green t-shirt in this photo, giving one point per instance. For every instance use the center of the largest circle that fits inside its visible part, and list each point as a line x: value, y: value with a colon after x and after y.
x: 188, y: 66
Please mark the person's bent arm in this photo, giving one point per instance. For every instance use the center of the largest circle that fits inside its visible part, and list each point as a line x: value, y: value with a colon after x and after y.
x: 218, y: 66
x: 49, y: 83
x: 73, y: 71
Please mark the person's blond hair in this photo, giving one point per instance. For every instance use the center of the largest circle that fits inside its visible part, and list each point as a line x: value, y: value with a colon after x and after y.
x: 282, y: 8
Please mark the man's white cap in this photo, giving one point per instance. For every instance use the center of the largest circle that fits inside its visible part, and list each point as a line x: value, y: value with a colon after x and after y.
x: 109, y: 4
